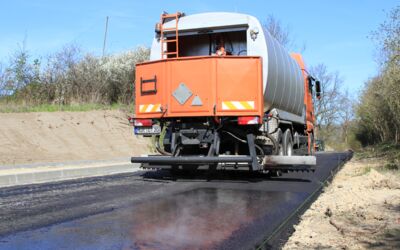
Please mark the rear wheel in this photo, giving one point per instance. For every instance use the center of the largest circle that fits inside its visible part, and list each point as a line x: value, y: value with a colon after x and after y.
x: 287, y: 143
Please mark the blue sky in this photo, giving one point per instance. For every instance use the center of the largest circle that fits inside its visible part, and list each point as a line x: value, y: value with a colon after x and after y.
x: 335, y: 32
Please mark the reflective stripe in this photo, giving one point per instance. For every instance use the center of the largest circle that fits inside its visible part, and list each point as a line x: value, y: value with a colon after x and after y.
x: 238, y: 105
x: 150, y: 108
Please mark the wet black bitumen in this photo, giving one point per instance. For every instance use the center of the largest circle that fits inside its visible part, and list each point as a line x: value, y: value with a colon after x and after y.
x: 153, y: 210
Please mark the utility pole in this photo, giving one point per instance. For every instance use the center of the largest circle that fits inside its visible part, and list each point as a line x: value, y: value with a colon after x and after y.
x: 105, y: 37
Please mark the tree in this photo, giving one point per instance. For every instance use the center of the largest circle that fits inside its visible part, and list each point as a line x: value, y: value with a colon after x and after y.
x: 19, y: 73
x: 281, y: 34
x: 59, y: 71
x: 346, y: 114
x: 1, y: 80
x: 328, y: 110
x: 378, y: 110
x: 387, y: 37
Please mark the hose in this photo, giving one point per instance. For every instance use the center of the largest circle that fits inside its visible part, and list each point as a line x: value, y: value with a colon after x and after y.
x: 276, y: 145
x: 240, y: 52
x: 259, y: 148
x: 244, y: 141
x: 159, y: 149
x: 234, y: 136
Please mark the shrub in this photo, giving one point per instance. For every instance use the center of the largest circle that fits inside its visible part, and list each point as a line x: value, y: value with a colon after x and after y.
x: 69, y: 77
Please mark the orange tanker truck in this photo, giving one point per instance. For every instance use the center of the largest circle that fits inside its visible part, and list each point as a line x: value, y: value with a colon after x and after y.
x: 220, y: 92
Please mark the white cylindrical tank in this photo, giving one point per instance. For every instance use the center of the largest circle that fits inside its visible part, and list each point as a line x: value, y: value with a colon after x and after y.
x: 284, y: 85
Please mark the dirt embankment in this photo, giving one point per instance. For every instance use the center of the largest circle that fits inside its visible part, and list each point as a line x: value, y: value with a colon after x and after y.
x: 360, y: 209
x: 65, y: 136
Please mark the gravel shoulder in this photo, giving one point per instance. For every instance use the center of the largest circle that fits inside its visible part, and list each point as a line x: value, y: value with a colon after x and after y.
x: 360, y: 209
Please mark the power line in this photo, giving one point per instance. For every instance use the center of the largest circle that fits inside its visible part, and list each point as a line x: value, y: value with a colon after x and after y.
x: 105, y: 36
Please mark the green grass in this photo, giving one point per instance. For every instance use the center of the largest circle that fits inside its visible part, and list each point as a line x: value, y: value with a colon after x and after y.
x: 18, y: 108
x: 366, y: 170
x: 388, y: 154
x: 391, y: 166
x: 388, y: 151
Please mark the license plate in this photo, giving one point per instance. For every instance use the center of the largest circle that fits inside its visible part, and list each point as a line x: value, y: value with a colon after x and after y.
x: 154, y: 130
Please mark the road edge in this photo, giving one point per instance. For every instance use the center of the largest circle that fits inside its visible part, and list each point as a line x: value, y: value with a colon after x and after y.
x: 279, y: 238
x: 39, y: 175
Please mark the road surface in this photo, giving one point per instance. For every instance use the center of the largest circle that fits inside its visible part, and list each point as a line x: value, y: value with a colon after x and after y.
x: 153, y: 210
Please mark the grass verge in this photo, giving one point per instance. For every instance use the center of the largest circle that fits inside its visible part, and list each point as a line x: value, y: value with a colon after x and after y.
x: 388, y: 151
x: 388, y: 156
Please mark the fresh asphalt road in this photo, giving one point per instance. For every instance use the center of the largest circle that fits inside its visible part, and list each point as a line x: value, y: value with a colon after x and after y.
x: 153, y: 210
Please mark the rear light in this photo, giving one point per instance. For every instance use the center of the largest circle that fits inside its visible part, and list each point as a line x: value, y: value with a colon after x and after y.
x: 143, y: 123
x: 248, y: 120
x: 131, y: 119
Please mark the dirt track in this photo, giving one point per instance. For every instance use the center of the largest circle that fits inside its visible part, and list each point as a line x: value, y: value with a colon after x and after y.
x: 61, y: 136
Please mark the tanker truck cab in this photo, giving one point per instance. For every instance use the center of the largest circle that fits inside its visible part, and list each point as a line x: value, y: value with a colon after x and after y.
x: 220, y: 92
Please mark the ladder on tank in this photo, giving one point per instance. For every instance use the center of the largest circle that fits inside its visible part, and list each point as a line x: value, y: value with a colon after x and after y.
x: 163, y: 39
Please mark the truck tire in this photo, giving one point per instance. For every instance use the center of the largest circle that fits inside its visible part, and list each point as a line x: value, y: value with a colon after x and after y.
x: 287, y: 143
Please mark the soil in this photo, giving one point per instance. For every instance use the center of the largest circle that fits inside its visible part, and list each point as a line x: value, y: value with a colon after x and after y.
x: 67, y: 136
x: 360, y: 209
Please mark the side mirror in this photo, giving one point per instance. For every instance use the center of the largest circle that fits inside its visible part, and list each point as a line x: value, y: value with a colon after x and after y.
x: 157, y: 28
x: 318, y: 89
x: 310, y: 83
